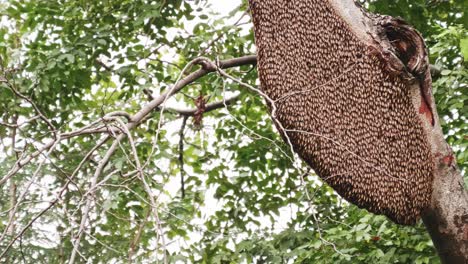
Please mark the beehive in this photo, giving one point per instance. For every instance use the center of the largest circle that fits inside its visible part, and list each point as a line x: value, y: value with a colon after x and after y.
x: 346, y: 116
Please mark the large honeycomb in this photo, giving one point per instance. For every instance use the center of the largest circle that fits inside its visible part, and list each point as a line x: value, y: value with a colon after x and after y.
x: 351, y: 120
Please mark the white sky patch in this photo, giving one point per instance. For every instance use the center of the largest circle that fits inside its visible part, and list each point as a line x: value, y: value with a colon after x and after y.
x: 224, y: 6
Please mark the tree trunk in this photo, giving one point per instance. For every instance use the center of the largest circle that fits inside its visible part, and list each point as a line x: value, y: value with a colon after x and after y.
x: 446, y: 219
x: 351, y: 92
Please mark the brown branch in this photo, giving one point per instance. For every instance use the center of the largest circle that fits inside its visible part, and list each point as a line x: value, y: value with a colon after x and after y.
x: 207, y: 68
x: 102, y: 64
x: 209, y: 107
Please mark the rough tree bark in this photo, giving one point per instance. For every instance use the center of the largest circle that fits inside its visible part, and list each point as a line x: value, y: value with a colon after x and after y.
x: 352, y: 93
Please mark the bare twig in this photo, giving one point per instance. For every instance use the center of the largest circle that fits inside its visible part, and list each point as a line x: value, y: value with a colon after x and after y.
x: 209, y: 107
x: 102, y: 163
x: 28, y: 158
x: 191, y: 112
x: 52, y: 203
x: 212, y: 42
x: 26, y: 191
x: 181, y: 155
x: 20, y: 124
x: 13, y: 203
x: 137, y: 237
x: 36, y: 108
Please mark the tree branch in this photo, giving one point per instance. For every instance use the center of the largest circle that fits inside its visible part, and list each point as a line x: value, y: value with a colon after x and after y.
x: 181, y: 155
x: 192, y: 111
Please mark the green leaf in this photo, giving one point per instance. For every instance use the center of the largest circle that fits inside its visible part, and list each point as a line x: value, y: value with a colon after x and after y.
x: 464, y: 48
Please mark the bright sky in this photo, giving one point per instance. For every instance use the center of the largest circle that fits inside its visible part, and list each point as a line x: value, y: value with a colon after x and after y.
x: 224, y: 6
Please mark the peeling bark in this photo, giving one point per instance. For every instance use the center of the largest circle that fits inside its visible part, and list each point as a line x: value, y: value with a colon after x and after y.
x: 292, y: 39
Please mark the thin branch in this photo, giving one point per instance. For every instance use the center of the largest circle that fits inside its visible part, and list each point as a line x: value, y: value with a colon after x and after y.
x: 102, y: 64
x: 25, y: 192
x: 36, y: 108
x: 209, y: 107
x: 25, y: 160
x: 137, y: 237
x: 52, y: 203
x: 87, y: 207
x: 212, y: 42
x: 11, y: 228
x: 20, y: 124
x: 181, y: 155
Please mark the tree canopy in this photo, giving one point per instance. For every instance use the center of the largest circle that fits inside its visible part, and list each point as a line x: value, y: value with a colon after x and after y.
x: 204, y: 177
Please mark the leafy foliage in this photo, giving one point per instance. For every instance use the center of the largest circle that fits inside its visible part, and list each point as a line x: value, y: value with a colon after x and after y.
x: 245, y: 199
